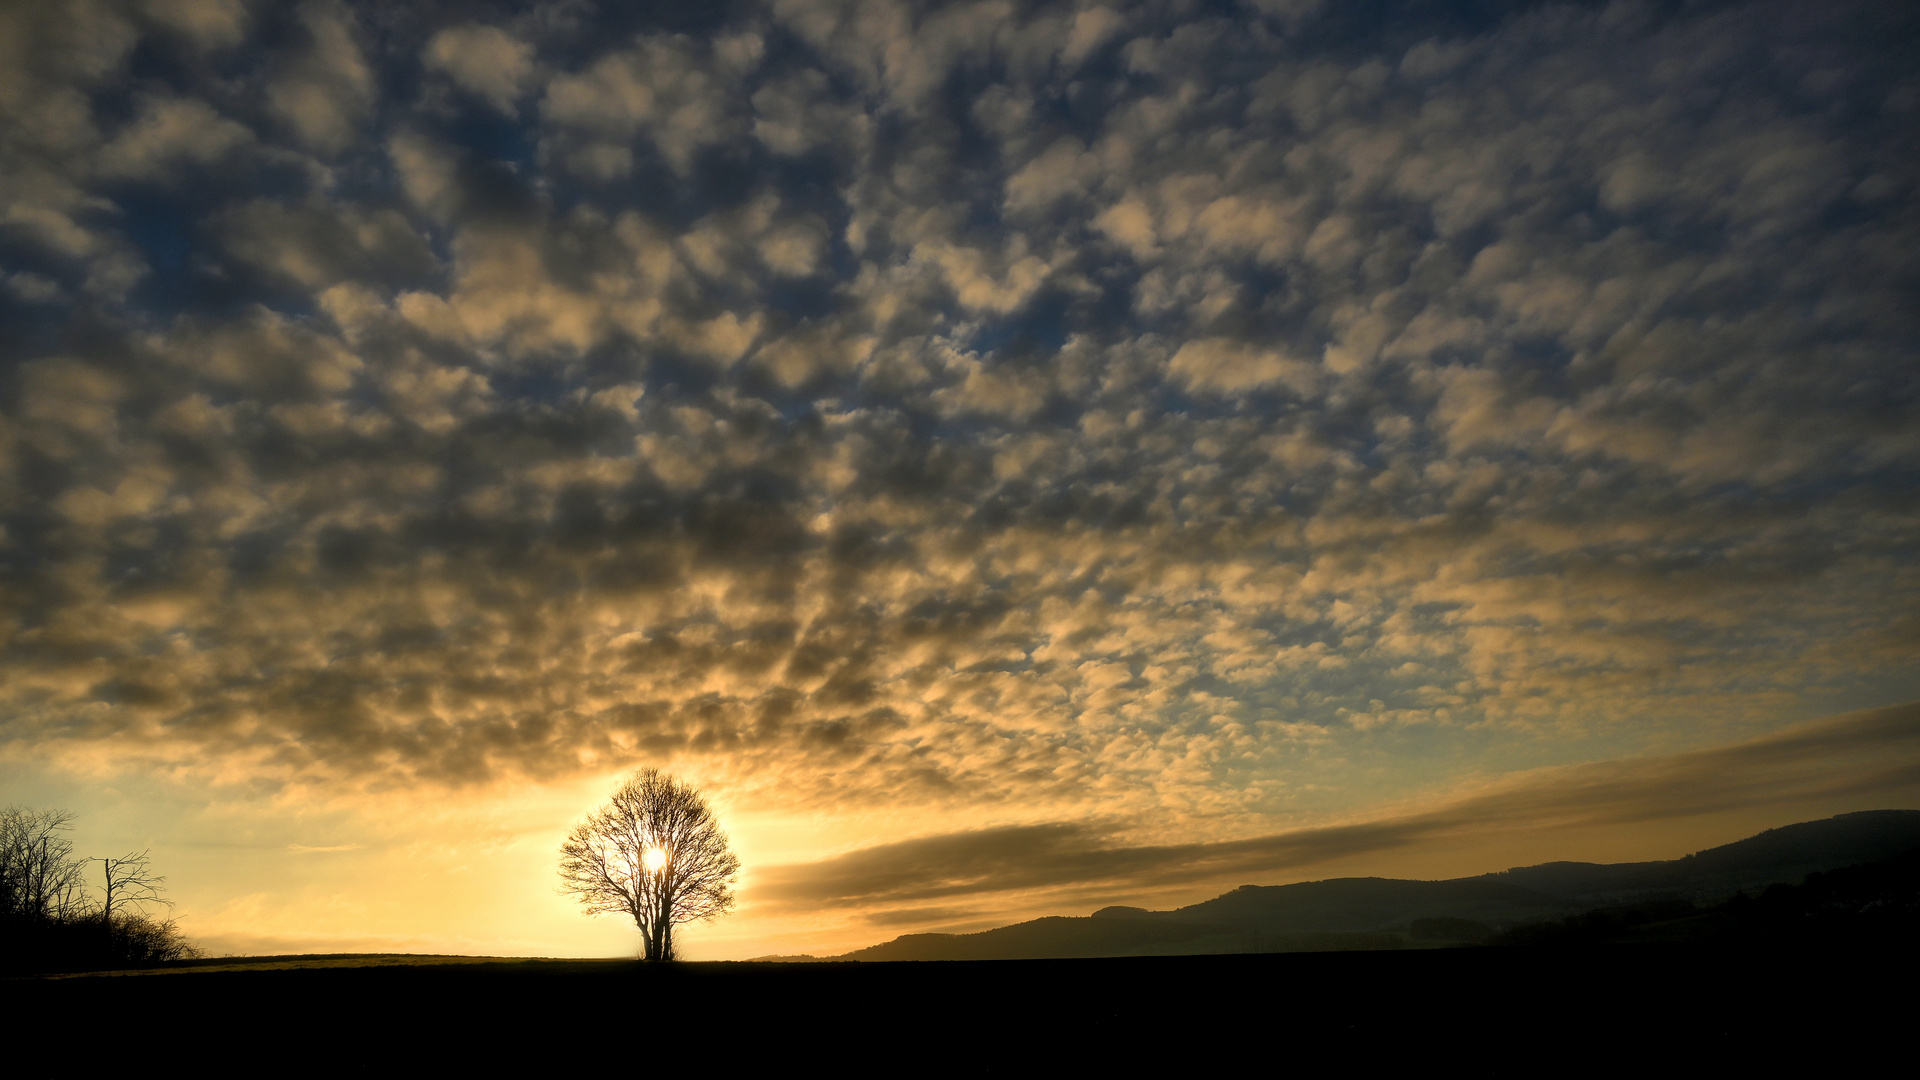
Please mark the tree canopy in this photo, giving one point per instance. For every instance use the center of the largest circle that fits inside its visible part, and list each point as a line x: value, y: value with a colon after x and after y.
x: 655, y: 853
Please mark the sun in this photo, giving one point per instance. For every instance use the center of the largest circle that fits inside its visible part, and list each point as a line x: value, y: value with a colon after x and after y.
x: 653, y: 859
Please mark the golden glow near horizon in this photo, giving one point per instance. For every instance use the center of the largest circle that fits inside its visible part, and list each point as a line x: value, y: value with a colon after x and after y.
x: 1013, y: 460
x: 654, y: 860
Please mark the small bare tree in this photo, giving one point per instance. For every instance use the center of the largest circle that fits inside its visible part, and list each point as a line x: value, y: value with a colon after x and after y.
x: 654, y: 853
x: 131, y: 884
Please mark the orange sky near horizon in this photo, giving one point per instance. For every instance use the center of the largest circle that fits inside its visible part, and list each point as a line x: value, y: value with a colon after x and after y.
x: 476, y: 876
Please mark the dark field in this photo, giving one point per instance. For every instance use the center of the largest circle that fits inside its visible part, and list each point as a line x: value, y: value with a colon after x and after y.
x: 1505, y: 1010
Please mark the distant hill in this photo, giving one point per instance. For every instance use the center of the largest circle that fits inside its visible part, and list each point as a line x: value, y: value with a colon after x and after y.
x: 1363, y: 904
x: 1786, y: 854
x: 1375, y: 913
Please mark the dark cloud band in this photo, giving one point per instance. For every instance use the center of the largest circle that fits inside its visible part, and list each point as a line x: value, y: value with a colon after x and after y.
x: 1874, y: 755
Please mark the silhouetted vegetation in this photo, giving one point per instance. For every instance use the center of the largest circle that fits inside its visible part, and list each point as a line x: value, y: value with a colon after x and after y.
x: 1594, y: 927
x: 653, y: 853
x: 1876, y: 902
x: 50, y: 922
x: 1444, y: 928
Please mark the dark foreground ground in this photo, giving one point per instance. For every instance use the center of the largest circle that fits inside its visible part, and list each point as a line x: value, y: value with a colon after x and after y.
x: 1506, y: 1011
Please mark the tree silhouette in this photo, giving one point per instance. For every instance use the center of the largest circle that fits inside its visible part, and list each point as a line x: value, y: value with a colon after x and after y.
x: 130, y: 883
x: 654, y: 853
x: 40, y: 880
x: 47, y: 919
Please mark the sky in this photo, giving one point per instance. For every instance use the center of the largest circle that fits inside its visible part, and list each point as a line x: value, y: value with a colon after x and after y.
x: 1013, y: 457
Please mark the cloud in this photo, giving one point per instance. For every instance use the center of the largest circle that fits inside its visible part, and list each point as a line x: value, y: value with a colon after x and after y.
x: 679, y: 95
x: 903, y: 54
x: 1101, y: 412
x: 1875, y: 754
x: 317, y: 245
x: 170, y: 132
x: 209, y: 24
x: 1220, y: 365
x: 483, y: 60
x: 325, y: 90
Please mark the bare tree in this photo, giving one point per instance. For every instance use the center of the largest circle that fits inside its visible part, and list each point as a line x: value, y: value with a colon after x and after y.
x: 49, y: 922
x: 131, y: 883
x: 40, y: 880
x: 133, y: 934
x: 654, y: 853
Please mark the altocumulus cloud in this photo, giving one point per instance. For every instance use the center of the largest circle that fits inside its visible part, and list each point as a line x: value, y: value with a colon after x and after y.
x: 1050, y: 409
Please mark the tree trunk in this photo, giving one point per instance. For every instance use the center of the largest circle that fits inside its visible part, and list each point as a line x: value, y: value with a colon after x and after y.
x: 663, y: 919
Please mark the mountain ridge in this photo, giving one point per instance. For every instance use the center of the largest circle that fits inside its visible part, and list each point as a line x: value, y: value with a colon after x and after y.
x: 1375, y: 912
